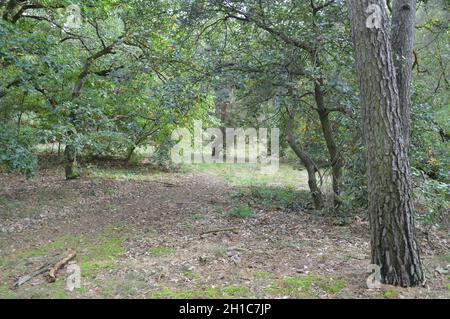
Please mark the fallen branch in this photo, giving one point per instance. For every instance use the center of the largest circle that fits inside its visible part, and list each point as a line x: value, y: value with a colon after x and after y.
x: 163, y: 183
x: 234, y: 230
x: 24, y: 279
x: 52, y: 273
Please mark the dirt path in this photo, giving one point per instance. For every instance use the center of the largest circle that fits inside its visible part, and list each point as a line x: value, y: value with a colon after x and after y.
x: 141, y: 236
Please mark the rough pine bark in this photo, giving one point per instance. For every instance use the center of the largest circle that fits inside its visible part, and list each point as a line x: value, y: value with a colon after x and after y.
x: 402, y: 39
x: 391, y: 212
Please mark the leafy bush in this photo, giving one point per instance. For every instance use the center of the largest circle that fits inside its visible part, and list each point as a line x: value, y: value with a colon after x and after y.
x: 107, y: 144
x: 17, y: 149
x: 434, y: 195
x: 429, y: 152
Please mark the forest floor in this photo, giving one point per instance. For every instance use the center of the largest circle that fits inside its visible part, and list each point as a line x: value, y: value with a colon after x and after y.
x: 206, y: 232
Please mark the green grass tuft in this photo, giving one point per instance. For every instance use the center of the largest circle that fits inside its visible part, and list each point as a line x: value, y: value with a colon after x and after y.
x: 309, y: 286
x: 390, y: 294
x: 161, y: 251
x: 242, y: 211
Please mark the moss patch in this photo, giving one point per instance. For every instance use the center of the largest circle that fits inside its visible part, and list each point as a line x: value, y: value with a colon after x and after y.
x: 310, y: 286
x: 103, y: 253
x: 161, y: 251
x: 167, y: 293
x: 390, y: 294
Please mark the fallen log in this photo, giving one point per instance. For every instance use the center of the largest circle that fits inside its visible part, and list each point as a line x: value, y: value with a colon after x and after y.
x: 60, y: 264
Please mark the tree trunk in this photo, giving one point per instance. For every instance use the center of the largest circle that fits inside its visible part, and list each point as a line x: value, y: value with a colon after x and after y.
x: 391, y: 211
x: 306, y: 160
x: 403, y: 28
x: 130, y: 153
x: 324, y: 114
x: 70, y: 153
x: 335, y: 157
x: 71, y: 162
x: 222, y: 114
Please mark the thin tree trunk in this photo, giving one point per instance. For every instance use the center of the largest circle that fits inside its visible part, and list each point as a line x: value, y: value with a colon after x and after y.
x: 327, y: 130
x: 306, y: 160
x: 391, y: 211
x: 324, y: 114
x: 130, y: 153
x: 222, y: 113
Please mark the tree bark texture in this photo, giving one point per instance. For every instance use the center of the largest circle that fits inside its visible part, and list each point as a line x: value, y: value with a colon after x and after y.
x: 391, y: 212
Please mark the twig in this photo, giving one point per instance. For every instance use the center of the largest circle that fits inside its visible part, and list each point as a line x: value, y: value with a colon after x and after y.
x: 52, y: 273
x: 163, y: 183
x: 218, y: 230
x: 24, y: 279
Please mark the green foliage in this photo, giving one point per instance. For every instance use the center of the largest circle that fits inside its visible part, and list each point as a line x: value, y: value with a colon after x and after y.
x: 242, y: 211
x: 434, y: 195
x: 106, y: 144
x: 131, y: 95
x: 354, y: 195
x: 17, y: 149
x: 429, y: 153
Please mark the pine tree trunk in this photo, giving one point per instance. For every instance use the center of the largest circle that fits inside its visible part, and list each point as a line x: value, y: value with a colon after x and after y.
x: 402, y: 38
x: 391, y: 211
